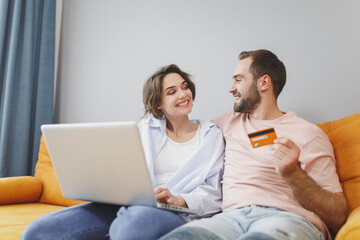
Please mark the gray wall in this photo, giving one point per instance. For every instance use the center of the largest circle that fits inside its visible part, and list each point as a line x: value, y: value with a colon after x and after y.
x: 108, y: 48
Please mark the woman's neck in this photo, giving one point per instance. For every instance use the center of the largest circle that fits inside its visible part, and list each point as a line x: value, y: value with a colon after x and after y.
x: 181, y: 129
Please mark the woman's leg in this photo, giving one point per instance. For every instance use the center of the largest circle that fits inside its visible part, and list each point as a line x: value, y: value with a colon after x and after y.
x: 85, y: 221
x: 141, y: 222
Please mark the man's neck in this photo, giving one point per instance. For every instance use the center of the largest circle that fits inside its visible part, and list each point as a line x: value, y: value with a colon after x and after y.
x: 267, y: 112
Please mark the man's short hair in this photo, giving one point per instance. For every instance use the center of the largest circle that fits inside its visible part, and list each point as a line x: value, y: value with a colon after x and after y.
x: 267, y: 63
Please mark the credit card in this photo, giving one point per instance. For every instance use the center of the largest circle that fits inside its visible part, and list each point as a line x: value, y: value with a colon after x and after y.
x: 262, y: 138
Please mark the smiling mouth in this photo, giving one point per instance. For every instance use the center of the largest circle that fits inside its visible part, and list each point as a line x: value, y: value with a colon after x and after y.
x: 237, y: 97
x: 183, y: 103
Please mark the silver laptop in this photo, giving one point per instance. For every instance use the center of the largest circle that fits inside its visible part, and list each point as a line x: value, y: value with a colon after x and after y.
x: 102, y: 162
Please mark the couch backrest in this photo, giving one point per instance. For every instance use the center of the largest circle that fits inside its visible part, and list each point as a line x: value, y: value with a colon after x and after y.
x: 344, y: 135
x: 44, y: 171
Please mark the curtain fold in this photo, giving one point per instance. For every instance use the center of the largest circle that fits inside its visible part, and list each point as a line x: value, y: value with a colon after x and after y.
x: 27, y: 43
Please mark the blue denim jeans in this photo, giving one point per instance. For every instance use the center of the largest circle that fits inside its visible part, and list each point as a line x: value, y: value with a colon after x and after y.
x: 140, y: 222
x: 92, y: 221
x: 253, y: 222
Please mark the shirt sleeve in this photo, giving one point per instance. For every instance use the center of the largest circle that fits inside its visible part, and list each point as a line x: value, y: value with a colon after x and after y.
x: 206, y: 197
x: 318, y: 161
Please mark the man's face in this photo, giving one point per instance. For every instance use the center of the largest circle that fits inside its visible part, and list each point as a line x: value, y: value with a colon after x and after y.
x: 244, y: 88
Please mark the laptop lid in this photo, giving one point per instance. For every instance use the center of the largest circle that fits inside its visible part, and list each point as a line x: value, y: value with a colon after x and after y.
x: 100, y: 162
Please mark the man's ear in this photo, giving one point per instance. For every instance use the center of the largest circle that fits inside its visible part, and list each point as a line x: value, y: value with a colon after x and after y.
x: 265, y: 82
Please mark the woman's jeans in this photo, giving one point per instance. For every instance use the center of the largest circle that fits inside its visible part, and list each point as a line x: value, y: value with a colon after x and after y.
x: 92, y: 221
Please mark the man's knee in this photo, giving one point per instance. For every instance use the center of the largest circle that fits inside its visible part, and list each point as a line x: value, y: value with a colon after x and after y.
x: 256, y: 236
x: 188, y: 233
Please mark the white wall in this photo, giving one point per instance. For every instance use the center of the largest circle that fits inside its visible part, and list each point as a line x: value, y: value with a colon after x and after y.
x: 109, y: 47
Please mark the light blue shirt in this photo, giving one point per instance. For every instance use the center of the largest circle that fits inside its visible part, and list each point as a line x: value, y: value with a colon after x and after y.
x: 198, y: 180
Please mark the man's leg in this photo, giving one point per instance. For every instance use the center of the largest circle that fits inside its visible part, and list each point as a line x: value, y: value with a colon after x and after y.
x: 249, y: 223
x: 220, y: 227
x: 142, y: 222
x: 272, y: 223
x: 85, y: 221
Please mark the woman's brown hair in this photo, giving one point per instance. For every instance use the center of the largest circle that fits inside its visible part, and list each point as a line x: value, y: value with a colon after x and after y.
x: 152, y: 90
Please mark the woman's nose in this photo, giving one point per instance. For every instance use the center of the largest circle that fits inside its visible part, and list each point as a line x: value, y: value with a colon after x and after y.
x: 182, y: 93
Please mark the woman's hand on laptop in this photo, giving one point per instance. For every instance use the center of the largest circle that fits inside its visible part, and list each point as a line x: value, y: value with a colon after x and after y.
x: 163, y: 195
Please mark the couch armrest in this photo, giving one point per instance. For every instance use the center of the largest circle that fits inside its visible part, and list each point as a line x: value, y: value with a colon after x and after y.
x: 351, y: 229
x: 19, y: 189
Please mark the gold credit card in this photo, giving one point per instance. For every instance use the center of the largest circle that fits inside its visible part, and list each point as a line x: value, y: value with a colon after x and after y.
x: 262, y: 138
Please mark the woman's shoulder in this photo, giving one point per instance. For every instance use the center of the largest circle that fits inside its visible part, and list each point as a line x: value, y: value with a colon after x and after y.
x: 208, y: 128
x: 204, y: 123
x: 151, y: 121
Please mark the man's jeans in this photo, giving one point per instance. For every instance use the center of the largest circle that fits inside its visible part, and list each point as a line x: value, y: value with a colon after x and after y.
x: 254, y: 222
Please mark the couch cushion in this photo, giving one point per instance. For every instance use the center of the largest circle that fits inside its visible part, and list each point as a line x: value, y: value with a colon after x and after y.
x: 351, y: 230
x: 44, y: 171
x: 344, y: 135
x: 23, y: 189
x: 15, y: 218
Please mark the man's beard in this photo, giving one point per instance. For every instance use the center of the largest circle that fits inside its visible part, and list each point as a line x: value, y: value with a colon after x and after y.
x: 250, y: 102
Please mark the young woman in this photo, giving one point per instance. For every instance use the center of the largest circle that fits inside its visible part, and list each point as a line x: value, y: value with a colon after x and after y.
x: 185, y: 161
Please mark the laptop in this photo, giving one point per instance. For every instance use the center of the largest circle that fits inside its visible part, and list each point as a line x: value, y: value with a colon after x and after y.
x: 102, y: 162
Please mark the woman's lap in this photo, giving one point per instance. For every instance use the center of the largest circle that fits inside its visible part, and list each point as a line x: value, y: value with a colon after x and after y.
x: 93, y: 220
x: 142, y: 222
x: 85, y: 221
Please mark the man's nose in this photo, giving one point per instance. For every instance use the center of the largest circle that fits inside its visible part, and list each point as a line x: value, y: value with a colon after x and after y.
x: 232, y: 88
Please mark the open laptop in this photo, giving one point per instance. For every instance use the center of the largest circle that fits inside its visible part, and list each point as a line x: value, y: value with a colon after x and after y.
x: 102, y: 162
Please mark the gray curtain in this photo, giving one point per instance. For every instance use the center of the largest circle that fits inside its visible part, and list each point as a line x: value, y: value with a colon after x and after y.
x: 27, y: 43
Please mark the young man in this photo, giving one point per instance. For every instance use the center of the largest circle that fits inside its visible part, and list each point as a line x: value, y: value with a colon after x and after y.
x: 287, y: 189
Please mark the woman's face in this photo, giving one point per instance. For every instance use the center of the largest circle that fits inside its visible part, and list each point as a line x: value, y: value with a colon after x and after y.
x: 176, y: 97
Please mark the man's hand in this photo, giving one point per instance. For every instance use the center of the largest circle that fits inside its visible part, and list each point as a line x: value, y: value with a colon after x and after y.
x: 163, y: 195
x: 286, y: 156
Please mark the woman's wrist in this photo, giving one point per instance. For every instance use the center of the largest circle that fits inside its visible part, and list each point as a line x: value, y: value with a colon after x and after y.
x: 181, y: 201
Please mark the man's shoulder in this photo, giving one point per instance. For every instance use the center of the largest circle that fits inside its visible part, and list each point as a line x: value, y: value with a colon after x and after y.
x: 305, y: 129
x: 303, y: 123
x: 226, y: 118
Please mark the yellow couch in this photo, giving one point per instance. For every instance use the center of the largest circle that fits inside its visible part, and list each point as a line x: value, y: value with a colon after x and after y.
x: 344, y: 135
x: 23, y: 199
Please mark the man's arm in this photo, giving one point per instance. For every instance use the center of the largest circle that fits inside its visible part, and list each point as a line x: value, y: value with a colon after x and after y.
x: 330, y: 207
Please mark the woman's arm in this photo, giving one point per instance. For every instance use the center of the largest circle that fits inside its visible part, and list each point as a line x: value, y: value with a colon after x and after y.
x: 205, y: 179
